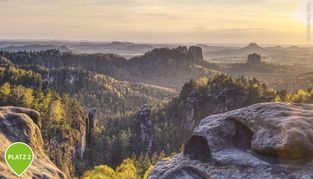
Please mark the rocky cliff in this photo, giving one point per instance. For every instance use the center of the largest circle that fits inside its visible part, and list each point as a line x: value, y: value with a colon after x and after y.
x: 156, y: 66
x: 142, y: 130
x: 254, y: 59
x: 168, y: 56
x: 266, y: 140
x: 196, y: 52
x: 219, y: 95
x: 17, y: 125
x: 67, y: 149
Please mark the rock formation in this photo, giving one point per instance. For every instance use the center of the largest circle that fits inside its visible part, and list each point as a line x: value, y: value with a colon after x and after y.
x: 191, y: 107
x: 169, y: 56
x: 144, y: 119
x: 230, y: 98
x: 16, y: 125
x: 142, y: 130
x: 182, y: 49
x: 265, y: 140
x: 254, y: 59
x: 34, y: 115
x: 67, y: 151
x: 196, y: 52
x: 91, y: 122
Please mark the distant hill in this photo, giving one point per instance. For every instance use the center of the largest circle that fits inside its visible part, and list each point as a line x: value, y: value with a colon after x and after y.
x: 213, y: 48
x: 167, y: 67
x: 35, y: 47
x: 245, y: 51
x: 274, y: 54
x: 253, y: 47
x: 125, y: 49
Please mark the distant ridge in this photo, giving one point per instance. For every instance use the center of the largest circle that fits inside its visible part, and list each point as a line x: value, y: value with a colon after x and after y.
x: 35, y: 47
x: 250, y: 48
x: 126, y: 49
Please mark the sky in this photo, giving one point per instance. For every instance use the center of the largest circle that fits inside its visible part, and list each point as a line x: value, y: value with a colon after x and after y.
x: 166, y: 21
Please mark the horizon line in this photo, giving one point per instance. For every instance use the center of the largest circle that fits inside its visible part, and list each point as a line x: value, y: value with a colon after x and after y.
x: 41, y: 40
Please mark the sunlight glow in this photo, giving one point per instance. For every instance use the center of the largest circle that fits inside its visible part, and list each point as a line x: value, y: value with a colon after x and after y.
x: 264, y: 21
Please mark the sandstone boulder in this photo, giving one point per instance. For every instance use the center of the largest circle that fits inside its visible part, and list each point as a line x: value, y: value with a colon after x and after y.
x: 16, y: 125
x: 266, y: 140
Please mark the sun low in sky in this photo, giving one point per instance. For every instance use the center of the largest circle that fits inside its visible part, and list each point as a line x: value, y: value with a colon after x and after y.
x: 206, y: 21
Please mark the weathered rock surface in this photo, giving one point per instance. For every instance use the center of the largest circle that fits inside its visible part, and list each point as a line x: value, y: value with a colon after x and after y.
x: 196, y: 52
x: 145, y: 125
x: 266, y: 140
x: 67, y: 151
x: 90, y: 126
x: 16, y: 125
x: 142, y: 139
x: 254, y: 59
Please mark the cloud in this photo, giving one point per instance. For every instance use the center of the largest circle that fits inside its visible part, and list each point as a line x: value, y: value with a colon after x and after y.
x: 147, y: 19
x: 224, y: 3
x: 75, y: 27
x: 231, y: 30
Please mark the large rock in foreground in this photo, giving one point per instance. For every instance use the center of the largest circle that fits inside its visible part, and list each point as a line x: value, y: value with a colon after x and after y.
x: 267, y: 140
x: 17, y: 125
